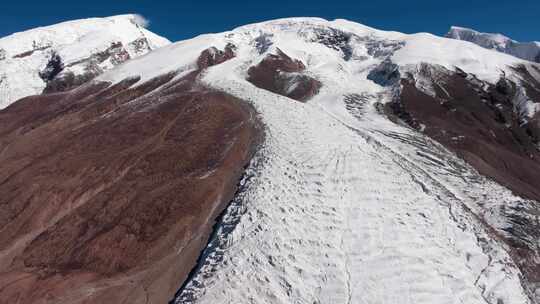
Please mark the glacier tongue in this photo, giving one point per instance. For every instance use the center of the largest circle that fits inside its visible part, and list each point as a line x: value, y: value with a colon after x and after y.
x: 347, y: 207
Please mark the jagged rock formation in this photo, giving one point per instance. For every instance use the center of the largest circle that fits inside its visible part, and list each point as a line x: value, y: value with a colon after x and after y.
x: 52, y: 69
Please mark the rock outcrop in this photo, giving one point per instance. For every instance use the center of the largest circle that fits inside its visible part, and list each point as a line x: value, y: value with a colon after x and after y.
x: 280, y: 74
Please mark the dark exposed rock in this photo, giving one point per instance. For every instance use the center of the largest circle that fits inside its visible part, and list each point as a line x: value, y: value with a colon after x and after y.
x: 504, y: 87
x: 54, y: 67
x: 382, y: 48
x: 115, y: 188
x: 2, y: 54
x: 343, y: 42
x: 140, y: 46
x: 263, y: 42
x: 67, y: 81
x: 385, y: 74
x: 460, y: 72
x: 282, y: 75
x: 116, y: 53
x: 24, y: 54
x: 397, y: 113
x: 213, y: 56
x: 334, y: 39
x: 30, y: 52
x: 529, y: 83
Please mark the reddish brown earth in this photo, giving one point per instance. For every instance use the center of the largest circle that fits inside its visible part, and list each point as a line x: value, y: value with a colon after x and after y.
x: 213, y: 56
x: 481, y: 127
x: 486, y: 135
x: 282, y: 75
x: 109, y: 193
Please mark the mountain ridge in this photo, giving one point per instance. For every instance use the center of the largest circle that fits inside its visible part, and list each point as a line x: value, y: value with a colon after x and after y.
x: 525, y: 50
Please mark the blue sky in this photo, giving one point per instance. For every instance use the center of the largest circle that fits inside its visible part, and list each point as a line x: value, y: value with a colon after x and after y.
x: 179, y: 20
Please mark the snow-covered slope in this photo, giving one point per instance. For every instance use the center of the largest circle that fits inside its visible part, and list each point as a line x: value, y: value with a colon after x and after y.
x: 341, y: 205
x: 78, y: 49
x: 525, y: 50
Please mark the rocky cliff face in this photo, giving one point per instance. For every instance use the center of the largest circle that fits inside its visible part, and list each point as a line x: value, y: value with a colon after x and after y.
x: 65, y: 55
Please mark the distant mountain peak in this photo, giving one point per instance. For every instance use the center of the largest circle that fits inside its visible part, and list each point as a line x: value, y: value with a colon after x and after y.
x: 525, y: 50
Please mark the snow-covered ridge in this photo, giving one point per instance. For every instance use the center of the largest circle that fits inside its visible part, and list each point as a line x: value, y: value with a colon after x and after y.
x: 87, y: 45
x: 298, y: 35
x: 326, y: 46
x: 526, y: 50
x: 69, y: 32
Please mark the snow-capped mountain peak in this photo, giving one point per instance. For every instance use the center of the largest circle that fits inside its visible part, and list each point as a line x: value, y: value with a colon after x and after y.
x: 69, y: 53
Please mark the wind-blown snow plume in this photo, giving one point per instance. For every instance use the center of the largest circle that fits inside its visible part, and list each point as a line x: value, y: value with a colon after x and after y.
x: 140, y: 20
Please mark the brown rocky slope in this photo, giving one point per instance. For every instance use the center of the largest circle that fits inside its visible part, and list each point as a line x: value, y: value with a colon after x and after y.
x: 110, y: 192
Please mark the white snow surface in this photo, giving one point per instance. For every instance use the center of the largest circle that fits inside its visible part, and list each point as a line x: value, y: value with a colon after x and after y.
x: 73, y: 41
x: 344, y: 206
x: 525, y: 50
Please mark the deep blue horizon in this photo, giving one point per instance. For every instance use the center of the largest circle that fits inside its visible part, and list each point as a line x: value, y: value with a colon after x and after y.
x: 186, y: 19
